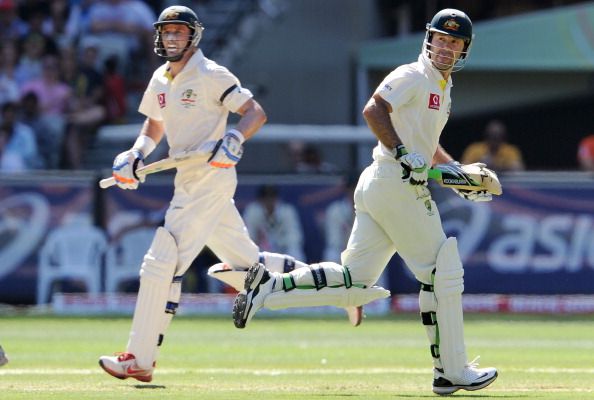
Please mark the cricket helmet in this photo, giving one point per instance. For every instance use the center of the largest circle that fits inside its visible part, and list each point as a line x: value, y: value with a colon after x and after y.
x: 177, y: 15
x: 451, y: 22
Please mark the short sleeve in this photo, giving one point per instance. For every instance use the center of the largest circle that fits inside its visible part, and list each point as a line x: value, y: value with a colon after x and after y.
x: 150, y: 105
x: 227, y: 90
x: 398, y: 88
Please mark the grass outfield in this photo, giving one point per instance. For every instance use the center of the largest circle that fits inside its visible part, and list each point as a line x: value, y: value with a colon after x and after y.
x: 280, y: 358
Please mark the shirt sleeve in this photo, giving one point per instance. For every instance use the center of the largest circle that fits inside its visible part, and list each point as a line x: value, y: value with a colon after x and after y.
x: 226, y: 89
x: 150, y: 105
x: 398, y: 88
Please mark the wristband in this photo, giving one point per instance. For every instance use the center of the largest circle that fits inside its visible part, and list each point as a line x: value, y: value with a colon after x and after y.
x: 145, y: 145
x: 237, y: 134
x: 399, y: 151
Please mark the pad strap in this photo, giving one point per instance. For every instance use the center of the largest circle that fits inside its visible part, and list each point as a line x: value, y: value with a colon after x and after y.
x: 289, y: 264
x: 288, y: 282
x: 348, y: 280
x: 319, y: 276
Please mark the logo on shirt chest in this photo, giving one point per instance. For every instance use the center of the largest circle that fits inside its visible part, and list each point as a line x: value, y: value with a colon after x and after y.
x: 188, y: 98
x: 434, y: 101
x: 161, y: 98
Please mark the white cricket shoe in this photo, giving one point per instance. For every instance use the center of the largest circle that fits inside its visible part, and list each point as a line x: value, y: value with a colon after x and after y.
x: 473, y: 378
x: 123, y: 366
x: 355, y: 315
x: 3, y: 357
x: 258, y: 284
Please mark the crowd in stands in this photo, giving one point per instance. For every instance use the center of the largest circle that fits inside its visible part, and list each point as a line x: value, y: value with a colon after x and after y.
x: 65, y: 70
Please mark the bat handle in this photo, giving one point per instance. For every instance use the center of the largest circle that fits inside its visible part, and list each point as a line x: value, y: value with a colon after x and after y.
x: 434, y: 174
x: 107, y: 182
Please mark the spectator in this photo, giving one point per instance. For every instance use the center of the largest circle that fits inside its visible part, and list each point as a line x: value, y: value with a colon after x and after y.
x: 30, y: 62
x: 18, y: 150
x: 494, y: 150
x: 115, y: 90
x: 48, y: 132
x: 340, y: 216
x: 586, y: 153
x: 86, y: 109
x: 308, y: 160
x: 122, y: 27
x: 13, y: 28
x: 35, y: 17
x: 9, y: 89
x: 53, y: 98
x: 63, y: 23
x: 273, y: 224
x: 54, y: 95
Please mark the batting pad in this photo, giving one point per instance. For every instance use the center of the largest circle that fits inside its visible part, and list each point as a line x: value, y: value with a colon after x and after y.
x: 156, y: 276
x: 448, y: 287
x: 170, y: 310
x: 428, y: 308
x: 276, y: 262
x: 226, y: 274
x: 321, y: 275
x: 235, y: 277
x: 339, y: 297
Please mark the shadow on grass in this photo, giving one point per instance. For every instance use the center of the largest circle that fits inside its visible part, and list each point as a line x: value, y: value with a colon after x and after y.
x: 150, y: 387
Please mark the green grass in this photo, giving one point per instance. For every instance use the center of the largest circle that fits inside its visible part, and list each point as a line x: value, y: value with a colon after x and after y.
x: 282, y: 358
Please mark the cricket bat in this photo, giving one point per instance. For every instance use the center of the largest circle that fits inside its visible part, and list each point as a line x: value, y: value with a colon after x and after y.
x: 177, y: 160
x: 466, y: 177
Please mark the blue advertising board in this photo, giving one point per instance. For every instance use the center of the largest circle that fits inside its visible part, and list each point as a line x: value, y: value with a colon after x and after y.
x: 535, y: 239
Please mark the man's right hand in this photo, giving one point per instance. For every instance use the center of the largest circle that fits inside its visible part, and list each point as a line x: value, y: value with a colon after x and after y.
x: 124, y: 169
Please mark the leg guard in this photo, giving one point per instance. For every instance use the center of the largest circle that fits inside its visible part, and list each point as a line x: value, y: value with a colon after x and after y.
x: 324, y: 284
x: 282, y: 263
x: 339, y: 297
x: 428, y: 308
x: 170, y: 311
x: 448, y: 287
x: 235, y: 277
x: 318, y: 276
x: 156, y: 275
x: 228, y: 275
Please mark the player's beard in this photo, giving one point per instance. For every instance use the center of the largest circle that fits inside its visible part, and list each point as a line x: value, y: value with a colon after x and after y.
x: 443, y: 61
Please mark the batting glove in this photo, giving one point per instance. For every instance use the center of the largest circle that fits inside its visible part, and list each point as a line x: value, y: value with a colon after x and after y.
x: 474, y: 195
x: 124, y: 169
x: 414, y: 167
x: 228, y: 150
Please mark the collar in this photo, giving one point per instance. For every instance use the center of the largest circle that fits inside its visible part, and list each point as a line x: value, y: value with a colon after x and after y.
x: 196, y: 59
x: 433, y: 72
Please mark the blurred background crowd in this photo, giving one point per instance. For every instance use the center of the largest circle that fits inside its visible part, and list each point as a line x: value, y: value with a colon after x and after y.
x: 70, y: 67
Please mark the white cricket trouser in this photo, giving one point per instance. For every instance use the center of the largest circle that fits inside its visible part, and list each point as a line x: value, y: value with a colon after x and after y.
x: 202, y: 212
x: 392, y: 216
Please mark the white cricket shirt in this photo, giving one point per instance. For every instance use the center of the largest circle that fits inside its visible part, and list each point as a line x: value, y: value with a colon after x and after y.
x: 420, y: 100
x: 193, y: 106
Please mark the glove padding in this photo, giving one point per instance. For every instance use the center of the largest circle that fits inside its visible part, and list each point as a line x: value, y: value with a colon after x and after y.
x: 474, y: 195
x: 228, y: 150
x: 414, y: 169
x: 124, y: 169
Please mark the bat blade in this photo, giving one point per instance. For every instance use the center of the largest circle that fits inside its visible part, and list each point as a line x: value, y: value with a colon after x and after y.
x: 466, y: 177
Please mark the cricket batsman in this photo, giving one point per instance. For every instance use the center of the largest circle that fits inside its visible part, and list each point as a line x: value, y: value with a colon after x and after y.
x: 395, y: 213
x: 188, y: 100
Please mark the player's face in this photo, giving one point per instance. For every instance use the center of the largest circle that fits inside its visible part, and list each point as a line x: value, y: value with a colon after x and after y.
x: 446, y: 50
x: 175, y: 38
